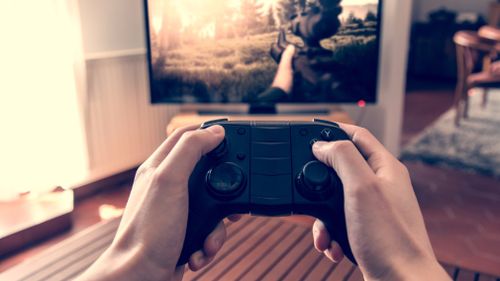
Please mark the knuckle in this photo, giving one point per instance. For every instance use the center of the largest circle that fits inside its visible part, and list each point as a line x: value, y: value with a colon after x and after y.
x: 340, y: 146
x: 190, y: 138
x: 161, y: 178
x: 403, y: 169
x: 177, y: 131
x: 363, y: 132
x: 143, y: 170
x: 182, y: 130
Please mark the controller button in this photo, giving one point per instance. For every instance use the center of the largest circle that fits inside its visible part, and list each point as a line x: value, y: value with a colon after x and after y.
x: 226, y: 179
x: 271, y: 134
x: 271, y: 166
x: 303, y: 132
x: 316, y: 176
x: 241, y: 131
x: 220, y: 150
x: 315, y: 181
x: 313, y: 141
x: 241, y: 156
x: 327, y: 135
x: 270, y: 149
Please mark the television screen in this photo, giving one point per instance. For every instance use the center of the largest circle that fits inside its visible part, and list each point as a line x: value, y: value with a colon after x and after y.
x: 228, y: 51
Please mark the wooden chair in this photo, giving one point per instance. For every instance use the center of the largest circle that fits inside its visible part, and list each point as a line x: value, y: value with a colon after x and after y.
x: 471, y: 50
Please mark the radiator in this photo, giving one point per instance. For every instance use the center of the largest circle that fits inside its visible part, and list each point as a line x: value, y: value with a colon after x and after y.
x: 122, y: 127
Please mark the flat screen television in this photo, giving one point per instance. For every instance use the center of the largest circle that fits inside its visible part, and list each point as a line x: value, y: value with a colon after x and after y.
x: 228, y: 51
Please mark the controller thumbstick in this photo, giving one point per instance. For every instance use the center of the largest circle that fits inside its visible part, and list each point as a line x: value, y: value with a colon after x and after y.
x: 220, y: 150
x: 225, y: 180
x: 315, y: 181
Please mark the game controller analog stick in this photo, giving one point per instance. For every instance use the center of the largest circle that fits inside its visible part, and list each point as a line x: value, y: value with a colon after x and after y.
x: 315, y: 181
x: 225, y: 179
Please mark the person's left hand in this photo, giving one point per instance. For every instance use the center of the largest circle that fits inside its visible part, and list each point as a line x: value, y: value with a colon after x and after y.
x: 151, y: 234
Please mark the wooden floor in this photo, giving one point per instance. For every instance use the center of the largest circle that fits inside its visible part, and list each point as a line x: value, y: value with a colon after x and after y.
x: 257, y: 248
x: 461, y: 210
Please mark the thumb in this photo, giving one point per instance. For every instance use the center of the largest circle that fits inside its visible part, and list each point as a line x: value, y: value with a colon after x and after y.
x: 346, y: 160
x: 180, y: 162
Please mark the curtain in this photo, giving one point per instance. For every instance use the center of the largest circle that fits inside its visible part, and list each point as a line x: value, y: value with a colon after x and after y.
x: 42, y: 90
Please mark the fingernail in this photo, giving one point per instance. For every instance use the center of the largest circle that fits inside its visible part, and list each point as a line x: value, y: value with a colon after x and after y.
x: 200, y: 259
x: 336, y: 251
x: 318, y: 145
x: 328, y: 255
x: 216, y: 129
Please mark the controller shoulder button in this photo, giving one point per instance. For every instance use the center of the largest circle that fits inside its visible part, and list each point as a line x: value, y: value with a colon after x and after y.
x: 316, y: 120
x: 213, y: 122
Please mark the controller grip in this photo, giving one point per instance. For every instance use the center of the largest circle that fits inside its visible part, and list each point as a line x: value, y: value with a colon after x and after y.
x: 199, y: 226
x: 338, y: 231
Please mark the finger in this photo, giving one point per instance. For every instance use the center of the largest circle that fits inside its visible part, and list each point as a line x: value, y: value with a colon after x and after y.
x: 334, y: 252
x: 180, y: 162
x: 346, y: 160
x: 234, y: 218
x: 368, y: 145
x: 198, y: 260
x: 164, y: 149
x: 321, y: 236
x: 215, y: 240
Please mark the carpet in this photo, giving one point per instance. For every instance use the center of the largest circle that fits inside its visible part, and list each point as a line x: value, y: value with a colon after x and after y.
x: 473, y: 147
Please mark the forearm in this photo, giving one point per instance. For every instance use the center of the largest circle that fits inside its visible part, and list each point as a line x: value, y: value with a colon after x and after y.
x: 424, y: 269
x: 126, y: 264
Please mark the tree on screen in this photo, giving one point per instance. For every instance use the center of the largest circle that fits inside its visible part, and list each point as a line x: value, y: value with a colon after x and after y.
x: 271, y: 22
x: 251, y: 16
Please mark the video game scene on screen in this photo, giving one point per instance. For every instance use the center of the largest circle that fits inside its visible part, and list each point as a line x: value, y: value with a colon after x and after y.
x: 227, y: 51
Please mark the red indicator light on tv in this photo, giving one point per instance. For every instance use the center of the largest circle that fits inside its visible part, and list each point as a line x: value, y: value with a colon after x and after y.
x: 361, y: 103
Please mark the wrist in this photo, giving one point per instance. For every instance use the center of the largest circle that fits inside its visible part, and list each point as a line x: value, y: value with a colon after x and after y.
x: 127, y: 264
x: 414, y: 269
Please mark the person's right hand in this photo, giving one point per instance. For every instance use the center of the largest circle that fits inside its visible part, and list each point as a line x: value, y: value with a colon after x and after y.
x: 384, y: 224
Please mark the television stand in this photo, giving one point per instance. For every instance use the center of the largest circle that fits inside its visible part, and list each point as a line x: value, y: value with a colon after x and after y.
x: 192, y: 117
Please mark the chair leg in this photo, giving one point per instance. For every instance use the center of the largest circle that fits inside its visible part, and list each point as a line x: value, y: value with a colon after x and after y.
x: 458, y: 102
x: 465, y: 111
x: 485, y: 97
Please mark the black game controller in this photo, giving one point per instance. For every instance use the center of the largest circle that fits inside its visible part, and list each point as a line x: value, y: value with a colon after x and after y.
x: 268, y: 169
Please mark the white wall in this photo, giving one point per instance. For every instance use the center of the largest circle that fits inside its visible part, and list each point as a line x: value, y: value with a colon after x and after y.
x: 117, y: 25
x: 421, y: 8
x: 112, y: 25
x: 122, y: 127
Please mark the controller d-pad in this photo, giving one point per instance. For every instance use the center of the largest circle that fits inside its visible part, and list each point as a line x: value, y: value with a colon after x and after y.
x: 225, y: 180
